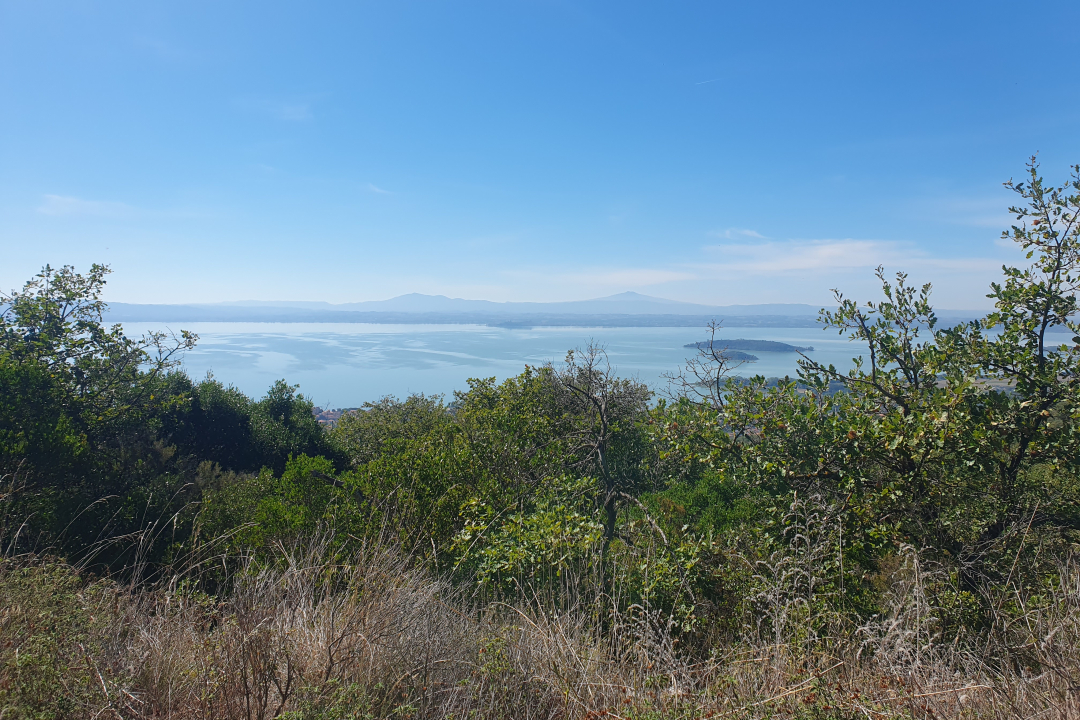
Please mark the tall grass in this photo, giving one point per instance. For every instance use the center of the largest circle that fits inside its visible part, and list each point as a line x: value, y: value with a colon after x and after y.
x: 376, y: 636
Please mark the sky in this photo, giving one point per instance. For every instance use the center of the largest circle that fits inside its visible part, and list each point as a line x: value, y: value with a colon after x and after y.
x: 712, y: 152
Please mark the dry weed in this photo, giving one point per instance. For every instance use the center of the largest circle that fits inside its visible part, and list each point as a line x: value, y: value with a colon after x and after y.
x: 378, y: 637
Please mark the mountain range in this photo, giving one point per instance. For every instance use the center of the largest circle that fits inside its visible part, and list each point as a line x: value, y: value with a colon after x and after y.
x: 628, y: 309
x: 627, y: 303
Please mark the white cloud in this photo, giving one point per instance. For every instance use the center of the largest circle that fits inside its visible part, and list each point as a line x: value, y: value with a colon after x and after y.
x: 66, y: 205
x: 817, y: 256
x: 753, y: 270
x: 373, y: 188
x: 740, y: 233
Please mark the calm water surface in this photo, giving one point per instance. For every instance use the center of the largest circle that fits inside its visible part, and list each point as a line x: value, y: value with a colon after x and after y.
x: 347, y: 364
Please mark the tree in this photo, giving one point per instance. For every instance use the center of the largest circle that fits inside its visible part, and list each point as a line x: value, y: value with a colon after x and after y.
x: 91, y: 385
x: 607, y: 434
x: 56, y: 321
x: 1029, y: 304
x: 961, y: 441
x: 81, y: 413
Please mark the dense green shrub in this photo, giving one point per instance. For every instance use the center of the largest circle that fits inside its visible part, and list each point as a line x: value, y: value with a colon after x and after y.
x: 104, y: 442
x: 50, y: 647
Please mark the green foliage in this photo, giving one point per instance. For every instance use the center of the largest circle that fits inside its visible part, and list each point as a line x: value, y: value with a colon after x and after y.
x: 554, y: 530
x: 255, y: 512
x: 940, y: 438
x: 39, y: 437
x: 56, y: 321
x: 46, y: 651
x: 333, y: 701
x: 383, y: 427
x: 77, y: 437
x: 435, y: 468
x: 210, y: 421
x: 283, y: 425
x: 102, y: 439
x: 707, y: 501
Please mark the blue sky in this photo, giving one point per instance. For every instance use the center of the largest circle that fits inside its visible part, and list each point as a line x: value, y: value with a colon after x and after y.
x: 705, y: 151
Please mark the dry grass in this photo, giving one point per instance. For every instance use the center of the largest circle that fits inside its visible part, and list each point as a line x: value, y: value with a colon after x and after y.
x: 377, y: 638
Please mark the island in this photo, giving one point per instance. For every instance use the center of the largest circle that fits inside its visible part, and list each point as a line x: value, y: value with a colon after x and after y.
x: 734, y: 355
x: 752, y: 345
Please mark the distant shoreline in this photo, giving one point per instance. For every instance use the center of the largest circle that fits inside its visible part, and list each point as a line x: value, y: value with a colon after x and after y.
x: 119, y: 312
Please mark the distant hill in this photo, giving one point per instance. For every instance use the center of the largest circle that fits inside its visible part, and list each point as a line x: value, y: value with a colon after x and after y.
x: 121, y: 312
x: 627, y: 303
x: 627, y: 309
x: 754, y: 345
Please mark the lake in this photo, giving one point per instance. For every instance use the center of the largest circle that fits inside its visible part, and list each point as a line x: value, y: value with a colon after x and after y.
x: 346, y: 364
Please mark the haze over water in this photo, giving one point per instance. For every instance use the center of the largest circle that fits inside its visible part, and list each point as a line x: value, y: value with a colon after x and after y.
x: 347, y: 364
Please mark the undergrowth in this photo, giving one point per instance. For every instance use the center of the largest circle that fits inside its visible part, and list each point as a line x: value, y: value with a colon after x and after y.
x: 311, y: 637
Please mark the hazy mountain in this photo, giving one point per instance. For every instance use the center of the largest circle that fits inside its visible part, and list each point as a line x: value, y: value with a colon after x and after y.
x: 628, y: 309
x: 627, y: 303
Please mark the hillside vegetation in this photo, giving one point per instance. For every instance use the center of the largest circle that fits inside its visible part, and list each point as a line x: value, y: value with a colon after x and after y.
x: 896, y: 541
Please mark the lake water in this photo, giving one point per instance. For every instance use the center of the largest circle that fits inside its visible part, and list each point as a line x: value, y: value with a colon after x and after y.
x: 347, y: 364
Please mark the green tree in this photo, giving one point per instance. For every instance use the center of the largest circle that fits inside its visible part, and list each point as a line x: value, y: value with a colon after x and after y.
x: 78, y: 441
x: 608, y: 438
x: 960, y: 441
x: 98, y: 380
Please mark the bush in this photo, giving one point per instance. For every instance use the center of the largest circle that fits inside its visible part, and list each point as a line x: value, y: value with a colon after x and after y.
x: 52, y: 658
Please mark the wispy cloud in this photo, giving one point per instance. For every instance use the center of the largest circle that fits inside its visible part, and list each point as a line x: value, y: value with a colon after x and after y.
x: 373, y: 188
x: 818, y: 256
x: 988, y: 212
x: 67, y: 205
x: 739, y: 234
x: 757, y: 269
x: 606, y: 277
x: 76, y: 207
